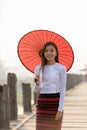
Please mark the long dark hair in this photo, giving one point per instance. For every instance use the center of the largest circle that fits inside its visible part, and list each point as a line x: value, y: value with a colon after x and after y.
x: 44, y: 61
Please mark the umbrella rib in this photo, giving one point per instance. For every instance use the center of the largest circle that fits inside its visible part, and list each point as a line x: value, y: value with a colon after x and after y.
x: 42, y: 38
x: 51, y: 36
x: 62, y: 45
x: 55, y: 38
x: 65, y: 47
x: 65, y: 53
x: 65, y: 63
x: 25, y: 56
x: 64, y: 57
x: 46, y: 36
x: 35, y: 37
x: 34, y: 40
x: 28, y: 49
x: 59, y: 40
x: 29, y: 41
x: 68, y: 56
x: 31, y: 59
x: 39, y: 38
x: 32, y: 62
x: 28, y: 45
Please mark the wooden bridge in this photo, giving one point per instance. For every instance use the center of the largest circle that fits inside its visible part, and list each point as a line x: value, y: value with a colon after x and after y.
x: 75, y: 112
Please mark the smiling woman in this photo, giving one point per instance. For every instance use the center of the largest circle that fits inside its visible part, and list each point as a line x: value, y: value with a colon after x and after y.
x: 51, y: 86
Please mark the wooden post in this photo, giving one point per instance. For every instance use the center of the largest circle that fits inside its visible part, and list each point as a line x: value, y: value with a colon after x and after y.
x: 4, y: 107
x: 69, y: 83
x: 26, y: 88
x: 12, y: 80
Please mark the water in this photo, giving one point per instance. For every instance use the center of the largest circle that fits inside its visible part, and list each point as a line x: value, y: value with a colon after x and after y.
x: 20, y: 101
x: 19, y: 96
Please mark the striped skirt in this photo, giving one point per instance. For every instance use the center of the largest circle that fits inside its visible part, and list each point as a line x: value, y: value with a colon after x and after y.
x: 46, y: 109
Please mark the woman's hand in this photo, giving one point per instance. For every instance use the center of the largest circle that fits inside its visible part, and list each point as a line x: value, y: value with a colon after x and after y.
x: 59, y: 115
x: 36, y: 79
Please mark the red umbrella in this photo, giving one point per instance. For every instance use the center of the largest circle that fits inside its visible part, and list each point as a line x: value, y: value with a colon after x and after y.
x: 31, y: 43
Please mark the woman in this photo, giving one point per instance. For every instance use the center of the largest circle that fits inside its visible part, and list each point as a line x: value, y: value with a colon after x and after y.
x: 50, y: 83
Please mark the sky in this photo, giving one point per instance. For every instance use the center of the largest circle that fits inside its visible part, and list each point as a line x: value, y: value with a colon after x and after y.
x: 65, y: 17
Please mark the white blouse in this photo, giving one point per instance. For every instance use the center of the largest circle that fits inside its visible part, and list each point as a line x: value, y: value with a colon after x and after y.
x: 52, y: 81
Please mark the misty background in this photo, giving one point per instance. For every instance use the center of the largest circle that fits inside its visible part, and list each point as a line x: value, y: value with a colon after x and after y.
x: 18, y: 17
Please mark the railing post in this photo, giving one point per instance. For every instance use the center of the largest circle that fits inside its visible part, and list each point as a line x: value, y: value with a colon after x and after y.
x: 4, y: 107
x: 11, y: 81
x: 26, y: 88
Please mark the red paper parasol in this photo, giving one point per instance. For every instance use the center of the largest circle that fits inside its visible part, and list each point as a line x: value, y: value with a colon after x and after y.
x: 31, y: 43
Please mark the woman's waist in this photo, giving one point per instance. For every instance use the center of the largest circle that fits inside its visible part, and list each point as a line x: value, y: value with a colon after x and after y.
x: 48, y: 95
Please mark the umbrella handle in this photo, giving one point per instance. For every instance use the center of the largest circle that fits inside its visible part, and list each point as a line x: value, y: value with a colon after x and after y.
x: 35, y: 80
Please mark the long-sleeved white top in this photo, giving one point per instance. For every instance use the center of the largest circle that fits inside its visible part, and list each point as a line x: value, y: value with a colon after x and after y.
x: 52, y: 81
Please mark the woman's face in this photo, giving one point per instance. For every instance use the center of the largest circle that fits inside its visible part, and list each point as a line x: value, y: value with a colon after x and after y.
x: 50, y: 53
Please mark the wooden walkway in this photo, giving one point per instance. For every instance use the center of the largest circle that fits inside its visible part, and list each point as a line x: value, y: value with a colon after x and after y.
x: 75, y: 111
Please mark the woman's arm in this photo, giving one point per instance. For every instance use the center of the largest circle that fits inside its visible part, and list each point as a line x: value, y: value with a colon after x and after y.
x: 59, y: 113
x: 62, y: 88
